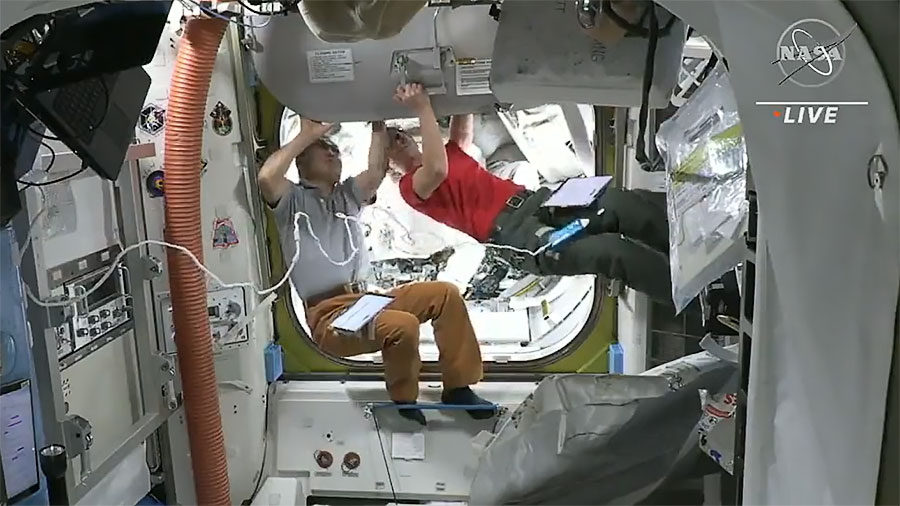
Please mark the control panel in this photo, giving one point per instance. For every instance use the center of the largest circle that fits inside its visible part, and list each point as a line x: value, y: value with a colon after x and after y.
x: 99, y: 321
x: 226, y: 308
x: 96, y: 319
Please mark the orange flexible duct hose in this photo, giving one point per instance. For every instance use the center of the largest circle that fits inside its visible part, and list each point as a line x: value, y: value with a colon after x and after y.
x: 184, y: 137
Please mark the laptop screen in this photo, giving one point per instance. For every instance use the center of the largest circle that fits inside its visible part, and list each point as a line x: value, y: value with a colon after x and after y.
x: 17, y: 441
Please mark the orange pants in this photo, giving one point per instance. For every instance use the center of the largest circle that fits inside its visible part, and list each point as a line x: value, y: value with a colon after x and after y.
x: 397, y: 336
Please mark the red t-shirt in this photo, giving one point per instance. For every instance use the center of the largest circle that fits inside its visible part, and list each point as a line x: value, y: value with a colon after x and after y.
x: 468, y: 200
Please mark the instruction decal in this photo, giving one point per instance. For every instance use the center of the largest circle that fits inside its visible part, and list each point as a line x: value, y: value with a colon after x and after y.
x: 152, y: 119
x: 473, y: 76
x: 156, y: 183
x: 330, y: 65
x: 224, y: 235
x: 203, y: 164
x: 221, y: 116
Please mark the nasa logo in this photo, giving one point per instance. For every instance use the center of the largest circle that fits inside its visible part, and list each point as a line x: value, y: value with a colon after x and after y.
x: 811, y: 53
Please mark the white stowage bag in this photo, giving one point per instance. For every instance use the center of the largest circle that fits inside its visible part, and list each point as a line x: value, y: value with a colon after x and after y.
x: 348, y: 21
x: 598, y: 439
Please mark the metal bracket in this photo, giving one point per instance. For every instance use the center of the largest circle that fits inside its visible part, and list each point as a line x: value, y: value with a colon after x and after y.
x: 250, y: 43
x: 153, y: 267
x: 615, y: 288
x: 166, y: 367
x: 167, y: 380
x: 424, y: 65
x: 77, y: 434
x: 171, y: 396
x: 877, y: 172
x: 587, y: 11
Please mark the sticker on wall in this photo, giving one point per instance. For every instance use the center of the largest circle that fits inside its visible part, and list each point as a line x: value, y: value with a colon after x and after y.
x: 181, y: 24
x: 203, y: 164
x: 61, y: 216
x: 152, y: 119
x: 155, y: 184
x: 224, y: 235
x: 221, y: 116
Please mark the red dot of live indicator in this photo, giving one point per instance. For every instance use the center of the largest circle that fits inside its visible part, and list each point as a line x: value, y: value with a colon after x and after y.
x: 776, y: 113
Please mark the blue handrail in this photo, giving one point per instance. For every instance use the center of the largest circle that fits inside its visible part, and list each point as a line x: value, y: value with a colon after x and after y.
x: 437, y: 406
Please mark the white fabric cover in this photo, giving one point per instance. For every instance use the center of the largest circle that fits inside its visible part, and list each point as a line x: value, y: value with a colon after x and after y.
x: 598, y: 439
x: 356, y: 20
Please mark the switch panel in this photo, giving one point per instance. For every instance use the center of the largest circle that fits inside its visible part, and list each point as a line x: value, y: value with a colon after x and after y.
x: 99, y: 321
x: 104, y: 314
x: 226, y: 308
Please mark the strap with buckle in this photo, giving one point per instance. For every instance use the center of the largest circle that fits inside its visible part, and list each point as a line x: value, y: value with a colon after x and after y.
x: 515, y: 201
x: 345, y: 289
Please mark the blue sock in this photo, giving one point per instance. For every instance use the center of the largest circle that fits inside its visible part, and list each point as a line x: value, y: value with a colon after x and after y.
x: 466, y: 397
x: 415, y: 415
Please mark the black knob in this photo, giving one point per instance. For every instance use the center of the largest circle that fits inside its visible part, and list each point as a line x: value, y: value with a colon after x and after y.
x: 81, y: 332
x: 93, y: 319
x: 104, y: 313
x: 53, y: 462
x: 95, y: 332
x: 105, y: 325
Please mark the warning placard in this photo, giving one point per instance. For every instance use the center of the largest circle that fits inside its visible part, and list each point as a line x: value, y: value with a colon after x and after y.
x: 330, y: 65
x: 473, y: 76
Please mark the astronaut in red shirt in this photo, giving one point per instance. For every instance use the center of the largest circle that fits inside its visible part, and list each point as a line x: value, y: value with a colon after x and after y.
x: 628, y: 241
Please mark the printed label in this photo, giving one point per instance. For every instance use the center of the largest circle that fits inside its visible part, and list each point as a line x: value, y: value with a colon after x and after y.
x: 330, y: 65
x: 473, y: 76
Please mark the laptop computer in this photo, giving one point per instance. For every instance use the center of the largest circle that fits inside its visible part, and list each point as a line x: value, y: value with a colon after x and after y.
x: 94, y: 117
x: 82, y: 77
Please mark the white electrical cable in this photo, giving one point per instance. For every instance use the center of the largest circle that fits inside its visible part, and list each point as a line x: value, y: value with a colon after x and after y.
x: 408, y: 234
x: 209, y: 273
x: 216, y: 14
x: 25, y: 246
x: 406, y: 231
x: 340, y: 263
x: 353, y: 248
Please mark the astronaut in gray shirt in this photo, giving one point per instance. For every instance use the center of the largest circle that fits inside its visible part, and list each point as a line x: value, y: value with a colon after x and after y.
x: 329, y: 271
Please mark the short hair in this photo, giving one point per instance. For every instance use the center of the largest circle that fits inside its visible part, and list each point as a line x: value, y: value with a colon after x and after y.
x: 394, y: 131
x: 303, y: 158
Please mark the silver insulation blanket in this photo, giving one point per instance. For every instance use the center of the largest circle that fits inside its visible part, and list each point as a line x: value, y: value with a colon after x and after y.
x: 598, y: 439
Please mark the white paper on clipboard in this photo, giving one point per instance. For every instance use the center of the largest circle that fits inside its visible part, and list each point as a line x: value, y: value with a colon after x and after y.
x: 578, y: 192
x: 361, y: 312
